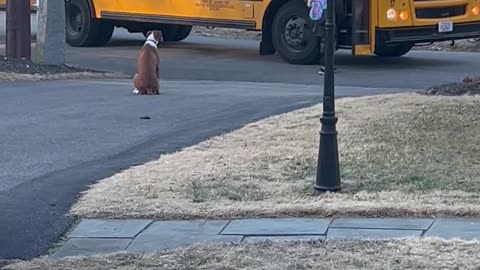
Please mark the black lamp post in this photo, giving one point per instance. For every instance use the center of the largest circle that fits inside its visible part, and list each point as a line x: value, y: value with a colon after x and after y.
x: 328, y: 169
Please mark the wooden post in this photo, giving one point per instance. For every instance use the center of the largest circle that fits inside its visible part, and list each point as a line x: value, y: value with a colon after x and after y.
x: 18, y: 38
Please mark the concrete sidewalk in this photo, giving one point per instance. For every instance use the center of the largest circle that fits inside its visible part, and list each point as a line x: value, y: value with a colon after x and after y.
x: 97, y: 236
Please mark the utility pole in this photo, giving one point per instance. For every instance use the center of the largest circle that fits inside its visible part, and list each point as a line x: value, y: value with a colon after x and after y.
x: 50, y: 44
x: 18, y: 38
x: 328, y: 168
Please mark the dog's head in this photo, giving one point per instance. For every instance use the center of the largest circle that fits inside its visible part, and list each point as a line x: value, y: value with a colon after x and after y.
x: 156, y: 35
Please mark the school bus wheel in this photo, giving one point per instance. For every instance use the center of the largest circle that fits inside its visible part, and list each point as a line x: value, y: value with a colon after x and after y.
x: 183, y: 31
x: 395, y: 50
x: 82, y: 29
x: 292, y: 34
x: 173, y: 32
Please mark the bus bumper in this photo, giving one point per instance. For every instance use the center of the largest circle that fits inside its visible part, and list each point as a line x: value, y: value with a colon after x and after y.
x: 426, y: 34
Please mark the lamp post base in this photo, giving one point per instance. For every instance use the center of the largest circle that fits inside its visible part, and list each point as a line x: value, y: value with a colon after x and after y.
x: 328, y: 169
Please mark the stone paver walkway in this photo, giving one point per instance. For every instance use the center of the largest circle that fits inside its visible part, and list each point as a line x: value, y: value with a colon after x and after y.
x: 97, y: 236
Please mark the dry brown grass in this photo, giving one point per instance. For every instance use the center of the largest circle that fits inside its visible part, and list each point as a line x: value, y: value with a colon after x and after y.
x: 401, y: 155
x: 12, y: 76
x: 227, y: 33
x: 400, y: 254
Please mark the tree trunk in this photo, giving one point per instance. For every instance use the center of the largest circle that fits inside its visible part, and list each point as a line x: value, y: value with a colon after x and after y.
x: 18, y: 38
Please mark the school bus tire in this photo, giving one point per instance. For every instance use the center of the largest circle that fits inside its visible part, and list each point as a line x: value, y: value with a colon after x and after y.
x: 82, y: 29
x: 298, y: 12
x: 175, y: 32
x: 396, y: 50
x: 172, y: 32
x: 183, y: 31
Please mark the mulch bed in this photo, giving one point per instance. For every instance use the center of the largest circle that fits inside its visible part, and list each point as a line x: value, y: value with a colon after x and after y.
x: 468, y: 86
x: 23, y: 66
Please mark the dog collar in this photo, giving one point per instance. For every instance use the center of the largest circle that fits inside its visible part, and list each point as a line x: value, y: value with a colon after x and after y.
x: 151, y: 42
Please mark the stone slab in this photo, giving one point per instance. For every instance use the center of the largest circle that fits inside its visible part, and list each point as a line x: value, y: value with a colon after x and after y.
x: 105, y: 228
x: 384, y: 223
x: 256, y: 239
x: 463, y: 228
x: 373, y: 234
x: 155, y: 243
x: 271, y: 226
x: 89, y: 247
x: 194, y: 227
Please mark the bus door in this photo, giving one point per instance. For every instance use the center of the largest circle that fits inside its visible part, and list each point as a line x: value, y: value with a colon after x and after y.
x: 362, y: 43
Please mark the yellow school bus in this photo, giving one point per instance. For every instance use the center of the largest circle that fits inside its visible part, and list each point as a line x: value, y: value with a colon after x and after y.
x: 380, y: 27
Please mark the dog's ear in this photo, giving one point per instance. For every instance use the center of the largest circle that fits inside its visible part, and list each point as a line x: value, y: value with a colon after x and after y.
x: 159, y: 36
x: 149, y: 33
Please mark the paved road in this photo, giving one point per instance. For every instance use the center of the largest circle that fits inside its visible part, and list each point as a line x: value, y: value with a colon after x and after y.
x: 238, y: 60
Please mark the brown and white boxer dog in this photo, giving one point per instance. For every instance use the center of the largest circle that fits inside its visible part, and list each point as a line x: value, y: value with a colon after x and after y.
x: 146, y: 80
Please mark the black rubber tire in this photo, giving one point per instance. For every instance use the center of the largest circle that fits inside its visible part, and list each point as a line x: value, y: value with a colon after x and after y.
x: 393, y: 50
x: 183, y: 31
x: 168, y: 31
x: 104, y: 34
x: 173, y: 32
x: 92, y: 32
x: 311, y: 52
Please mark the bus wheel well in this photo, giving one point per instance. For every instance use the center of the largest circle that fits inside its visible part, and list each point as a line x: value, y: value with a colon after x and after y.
x: 92, y: 8
x: 266, y: 45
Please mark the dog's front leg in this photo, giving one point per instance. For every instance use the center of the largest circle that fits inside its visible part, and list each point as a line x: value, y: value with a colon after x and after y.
x: 135, y: 84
